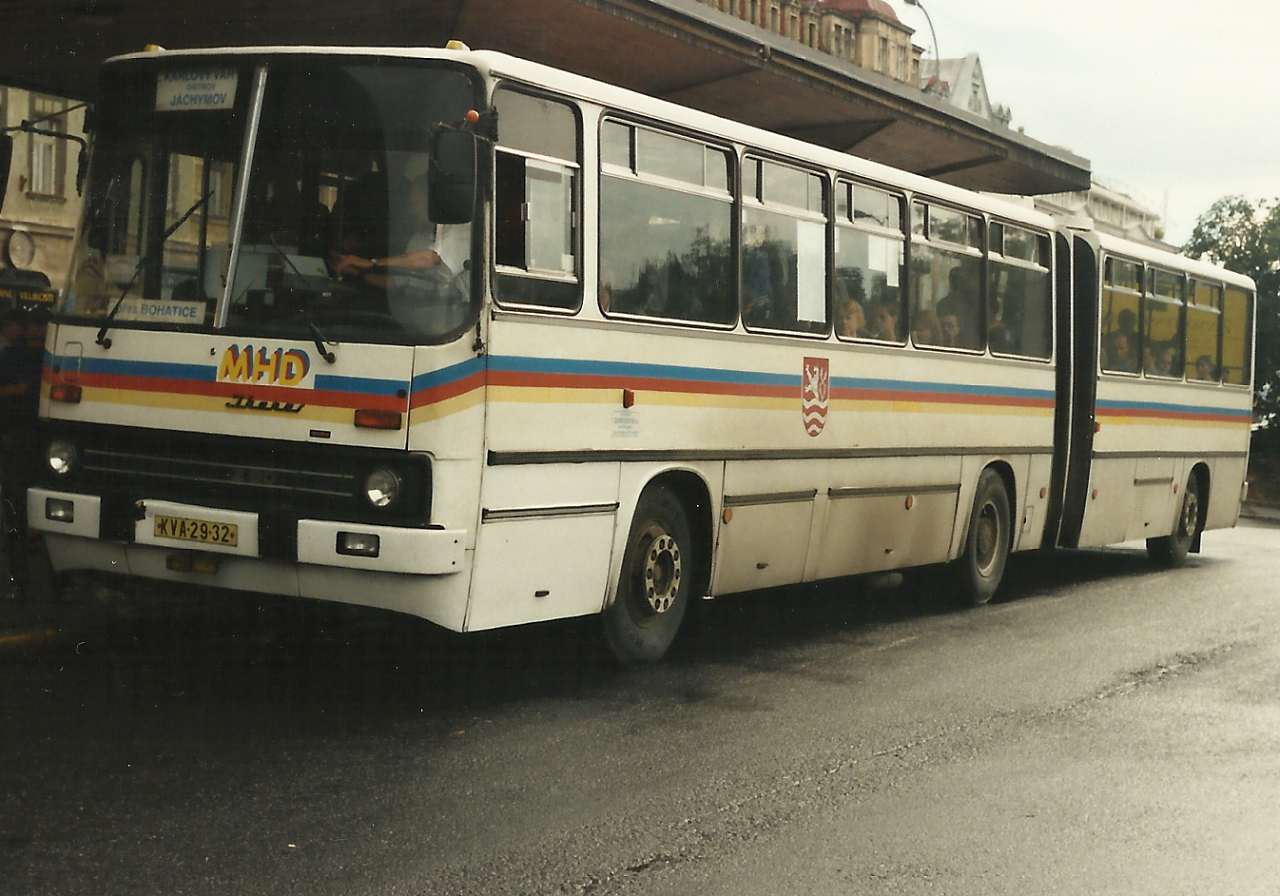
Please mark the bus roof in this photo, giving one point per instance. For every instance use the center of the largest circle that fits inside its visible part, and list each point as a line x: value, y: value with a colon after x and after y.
x: 501, y: 65
x: 1152, y: 255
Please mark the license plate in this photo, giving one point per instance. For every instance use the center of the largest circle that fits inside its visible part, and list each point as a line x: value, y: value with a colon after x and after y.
x: 202, y: 531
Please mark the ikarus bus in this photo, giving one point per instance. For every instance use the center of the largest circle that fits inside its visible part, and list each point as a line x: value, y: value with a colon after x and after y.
x: 462, y: 336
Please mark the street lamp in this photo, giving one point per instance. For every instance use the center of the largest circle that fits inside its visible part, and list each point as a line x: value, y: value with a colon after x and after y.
x: 937, y: 59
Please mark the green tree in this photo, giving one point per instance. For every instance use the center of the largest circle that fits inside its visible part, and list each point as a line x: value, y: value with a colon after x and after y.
x: 1244, y: 236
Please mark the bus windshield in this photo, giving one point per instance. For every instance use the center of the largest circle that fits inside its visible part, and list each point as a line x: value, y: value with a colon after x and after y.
x: 336, y: 233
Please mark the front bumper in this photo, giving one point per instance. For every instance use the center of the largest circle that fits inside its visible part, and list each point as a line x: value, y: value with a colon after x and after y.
x: 403, y: 550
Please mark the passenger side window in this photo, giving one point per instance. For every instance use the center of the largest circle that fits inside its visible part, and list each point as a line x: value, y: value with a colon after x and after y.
x: 666, y: 226
x: 1237, y: 326
x: 1162, y: 324
x: 536, y: 201
x: 1204, y: 314
x: 784, y: 248
x: 866, y: 285
x: 1021, y: 310
x: 946, y: 278
x: 1121, y: 304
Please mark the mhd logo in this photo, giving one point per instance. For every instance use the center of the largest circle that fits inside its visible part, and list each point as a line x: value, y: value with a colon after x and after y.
x: 263, y: 366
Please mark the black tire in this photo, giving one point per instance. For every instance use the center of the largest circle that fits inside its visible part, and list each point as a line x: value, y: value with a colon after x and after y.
x: 986, y: 549
x: 656, y: 580
x: 1171, y: 550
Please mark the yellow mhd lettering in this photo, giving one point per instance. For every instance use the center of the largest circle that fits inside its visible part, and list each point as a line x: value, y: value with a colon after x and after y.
x: 266, y: 366
x: 235, y: 363
x: 294, y: 365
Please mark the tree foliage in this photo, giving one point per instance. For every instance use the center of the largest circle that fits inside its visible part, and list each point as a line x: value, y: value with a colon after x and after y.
x: 1244, y: 236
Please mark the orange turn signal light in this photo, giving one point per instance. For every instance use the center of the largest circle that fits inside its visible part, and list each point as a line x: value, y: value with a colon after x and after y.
x: 66, y: 392
x: 371, y: 418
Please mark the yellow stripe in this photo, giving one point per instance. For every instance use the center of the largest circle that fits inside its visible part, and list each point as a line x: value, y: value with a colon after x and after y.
x: 445, y: 408
x: 171, y: 401
x: 1165, y: 423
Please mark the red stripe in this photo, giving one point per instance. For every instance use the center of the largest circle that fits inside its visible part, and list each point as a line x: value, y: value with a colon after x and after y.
x: 1173, y: 415
x: 448, y: 390
x: 255, y: 391
x: 940, y: 398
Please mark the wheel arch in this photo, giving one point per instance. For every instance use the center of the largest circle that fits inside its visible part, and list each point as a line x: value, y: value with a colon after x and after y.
x: 1200, y: 470
x: 693, y: 489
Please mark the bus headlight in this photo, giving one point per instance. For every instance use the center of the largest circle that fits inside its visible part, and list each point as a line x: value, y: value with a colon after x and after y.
x: 382, y: 487
x: 62, y: 457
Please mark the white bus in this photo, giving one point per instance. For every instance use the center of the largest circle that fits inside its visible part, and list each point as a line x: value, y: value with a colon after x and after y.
x: 470, y: 338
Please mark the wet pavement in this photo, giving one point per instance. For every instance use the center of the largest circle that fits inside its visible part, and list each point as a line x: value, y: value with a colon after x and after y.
x: 1108, y: 727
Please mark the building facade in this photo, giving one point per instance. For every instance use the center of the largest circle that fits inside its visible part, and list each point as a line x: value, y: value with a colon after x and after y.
x: 867, y: 33
x: 1112, y: 211
x: 41, y: 207
x: 961, y: 83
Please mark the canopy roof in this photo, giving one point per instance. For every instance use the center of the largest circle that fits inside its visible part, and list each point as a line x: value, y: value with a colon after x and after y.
x: 678, y: 50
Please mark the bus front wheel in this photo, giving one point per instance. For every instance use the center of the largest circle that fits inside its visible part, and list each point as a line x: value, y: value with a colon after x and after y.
x: 657, y: 576
x: 981, y: 566
x: 1171, y: 550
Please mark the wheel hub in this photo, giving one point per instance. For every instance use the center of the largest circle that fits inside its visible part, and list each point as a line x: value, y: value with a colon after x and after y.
x: 1190, y: 513
x: 663, y: 569
x: 988, y: 538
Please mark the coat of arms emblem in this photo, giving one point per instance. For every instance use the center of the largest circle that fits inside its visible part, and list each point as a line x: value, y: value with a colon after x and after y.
x: 815, y: 394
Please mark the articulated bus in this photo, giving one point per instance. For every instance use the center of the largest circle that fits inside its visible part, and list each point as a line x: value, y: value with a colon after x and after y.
x: 466, y: 337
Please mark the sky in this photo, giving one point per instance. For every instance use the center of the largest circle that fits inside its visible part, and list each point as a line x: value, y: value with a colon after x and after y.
x: 1176, y: 103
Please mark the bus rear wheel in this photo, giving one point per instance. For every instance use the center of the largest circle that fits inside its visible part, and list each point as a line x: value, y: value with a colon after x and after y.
x: 657, y: 576
x: 981, y: 567
x: 1171, y: 550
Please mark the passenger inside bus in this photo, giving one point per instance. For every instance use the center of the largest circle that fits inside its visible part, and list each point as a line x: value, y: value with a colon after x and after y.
x: 1121, y: 356
x: 926, y: 328
x: 851, y: 321
x: 1205, y: 368
x: 884, y: 322
x: 962, y: 302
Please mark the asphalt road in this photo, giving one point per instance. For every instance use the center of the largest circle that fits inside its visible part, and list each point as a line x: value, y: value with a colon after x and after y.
x: 1109, y: 727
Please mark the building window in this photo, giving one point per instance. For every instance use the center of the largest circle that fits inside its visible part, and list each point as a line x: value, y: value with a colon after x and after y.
x: 882, y: 55
x: 48, y: 155
x: 773, y: 18
x: 795, y: 26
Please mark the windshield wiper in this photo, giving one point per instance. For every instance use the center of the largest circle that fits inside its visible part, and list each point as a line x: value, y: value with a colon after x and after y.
x: 102, y: 338
x: 306, y: 312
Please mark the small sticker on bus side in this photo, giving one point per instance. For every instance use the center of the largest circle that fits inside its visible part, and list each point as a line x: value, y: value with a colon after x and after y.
x: 193, y: 90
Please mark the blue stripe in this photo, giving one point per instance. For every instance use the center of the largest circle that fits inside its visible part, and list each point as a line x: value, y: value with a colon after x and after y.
x: 946, y: 388
x: 447, y: 374
x: 1163, y: 406
x: 509, y: 364
x: 160, y: 369
x: 721, y: 375
x: 364, y: 385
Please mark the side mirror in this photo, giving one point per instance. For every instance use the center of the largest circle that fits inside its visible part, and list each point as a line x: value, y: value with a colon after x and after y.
x: 6, y: 159
x: 451, y: 197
